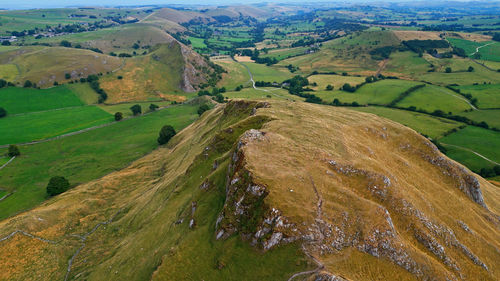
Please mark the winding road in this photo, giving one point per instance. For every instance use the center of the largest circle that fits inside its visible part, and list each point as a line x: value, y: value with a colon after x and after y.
x: 253, y: 82
x: 477, y: 49
x: 472, y: 151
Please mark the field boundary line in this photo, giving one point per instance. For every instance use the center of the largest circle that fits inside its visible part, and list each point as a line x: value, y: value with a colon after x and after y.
x: 8, y: 162
x: 472, y: 151
x: 85, y: 130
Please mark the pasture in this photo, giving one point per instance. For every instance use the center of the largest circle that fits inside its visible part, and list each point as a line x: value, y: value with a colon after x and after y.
x: 84, y: 157
x: 482, y: 141
x: 432, y: 98
x: 431, y: 126
x: 265, y: 73
x: 22, y: 100
x: 337, y: 81
x: 487, y: 95
x: 46, y: 124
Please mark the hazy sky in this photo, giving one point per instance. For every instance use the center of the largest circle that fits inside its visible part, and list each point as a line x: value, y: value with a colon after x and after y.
x: 30, y: 4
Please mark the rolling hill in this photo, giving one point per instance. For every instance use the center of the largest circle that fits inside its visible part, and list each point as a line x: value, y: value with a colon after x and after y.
x: 244, y: 194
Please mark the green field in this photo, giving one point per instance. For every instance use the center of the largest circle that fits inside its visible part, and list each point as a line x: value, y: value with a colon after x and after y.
x: 431, y: 126
x: 125, y: 107
x: 432, y: 97
x: 406, y: 63
x: 21, y: 100
x: 265, y: 73
x: 84, y: 157
x: 489, y: 50
x: 47, y: 124
x: 487, y: 95
x: 197, y: 43
x: 490, y: 116
x: 482, y: 141
x: 337, y: 81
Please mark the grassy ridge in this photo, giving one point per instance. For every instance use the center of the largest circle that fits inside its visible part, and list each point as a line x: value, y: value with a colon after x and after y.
x: 84, y: 157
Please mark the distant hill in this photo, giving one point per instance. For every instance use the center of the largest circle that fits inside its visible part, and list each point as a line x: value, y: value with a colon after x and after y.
x: 269, y: 191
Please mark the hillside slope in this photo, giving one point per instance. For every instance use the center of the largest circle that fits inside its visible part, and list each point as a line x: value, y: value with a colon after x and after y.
x: 258, y: 191
x: 166, y: 72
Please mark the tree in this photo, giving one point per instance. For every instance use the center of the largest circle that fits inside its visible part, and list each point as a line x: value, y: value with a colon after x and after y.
x: 204, y: 107
x: 65, y: 43
x: 3, y: 112
x: 27, y: 84
x: 166, y: 133
x: 329, y: 87
x: 3, y: 83
x: 219, y: 98
x: 470, y: 69
x: 348, y: 88
x: 6, y: 43
x: 448, y: 70
x: 67, y: 75
x: 496, y: 169
x: 136, y: 109
x: 118, y: 116
x: 57, y: 185
x: 153, y: 107
x: 13, y: 150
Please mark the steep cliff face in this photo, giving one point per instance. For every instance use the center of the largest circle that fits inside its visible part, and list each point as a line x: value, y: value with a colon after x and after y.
x: 269, y: 191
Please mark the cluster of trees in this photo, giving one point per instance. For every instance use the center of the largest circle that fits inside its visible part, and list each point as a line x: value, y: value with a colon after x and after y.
x: 204, y: 107
x: 166, y: 133
x: 382, y: 52
x: 57, y: 185
x: 94, y: 84
x: 469, y: 97
x: 254, y: 55
x: 405, y: 94
x: 490, y: 172
x: 216, y: 94
x: 420, y: 46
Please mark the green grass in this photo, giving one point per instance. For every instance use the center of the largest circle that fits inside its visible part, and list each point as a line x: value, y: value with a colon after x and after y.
x: 487, y: 95
x: 46, y: 124
x: 490, y: 51
x: 251, y: 93
x: 482, y: 141
x: 4, y: 160
x: 84, y: 157
x: 197, y: 43
x: 125, y: 107
x: 406, y: 63
x: 380, y: 93
x: 431, y: 126
x: 86, y: 94
x: 261, y: 72
x: 21, y: 100
x: 432, y: 97
x: 281, y: 54
x: 490, y: 116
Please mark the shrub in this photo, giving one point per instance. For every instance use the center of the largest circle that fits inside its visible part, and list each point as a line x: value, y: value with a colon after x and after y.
x: 153, y: 107
x: 329, y: 87
x: 348, y: 88
x: 166, y: 133
x: 136, y: 109
x: 470, y: 69
x: 3, y: 112
x: 496, y: 169
x: 57, y: 185
x: 119, y: 77
x: 118, y: 116
x: 3, y: 83
x: 65, y: 43
x: 67, y: 76
x: 448, y: 70
x: 13, y: 150
x: 27, y: 84
x: 203, y: 108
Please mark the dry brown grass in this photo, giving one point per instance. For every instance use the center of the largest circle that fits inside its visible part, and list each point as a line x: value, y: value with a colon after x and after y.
x: 405, y: 35
x: 291, y: 161
x: 243, y: 58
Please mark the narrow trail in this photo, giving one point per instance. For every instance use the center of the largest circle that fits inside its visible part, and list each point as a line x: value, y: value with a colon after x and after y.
x: 458, y: 97
x: 28, y: 235
x: 83, y: 239
x: 472, y: 151
x: 477, y: 49
x: 4, y: 165
x: 85, y: 130
x: 382, y: 67
x: 253, y: 81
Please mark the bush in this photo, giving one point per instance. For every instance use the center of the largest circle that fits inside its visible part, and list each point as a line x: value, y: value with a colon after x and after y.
x: 153, y: 107
x: 496, y: 169
x: 470, y: 69
x: 119, y: 77
x: 57, y: 185
x: 348, y: 88
x: 448, y: 70
x: 13, y: 150
x: 67, y: 76
x: 3, y: 83
x: 27, y: 84
x: 136, y: 109
x: 3, y: 112
x: 203, y: 108
x: 329, y: 87
x: 118, y: 116
x: 65, y: 43
x: 166, y: 133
